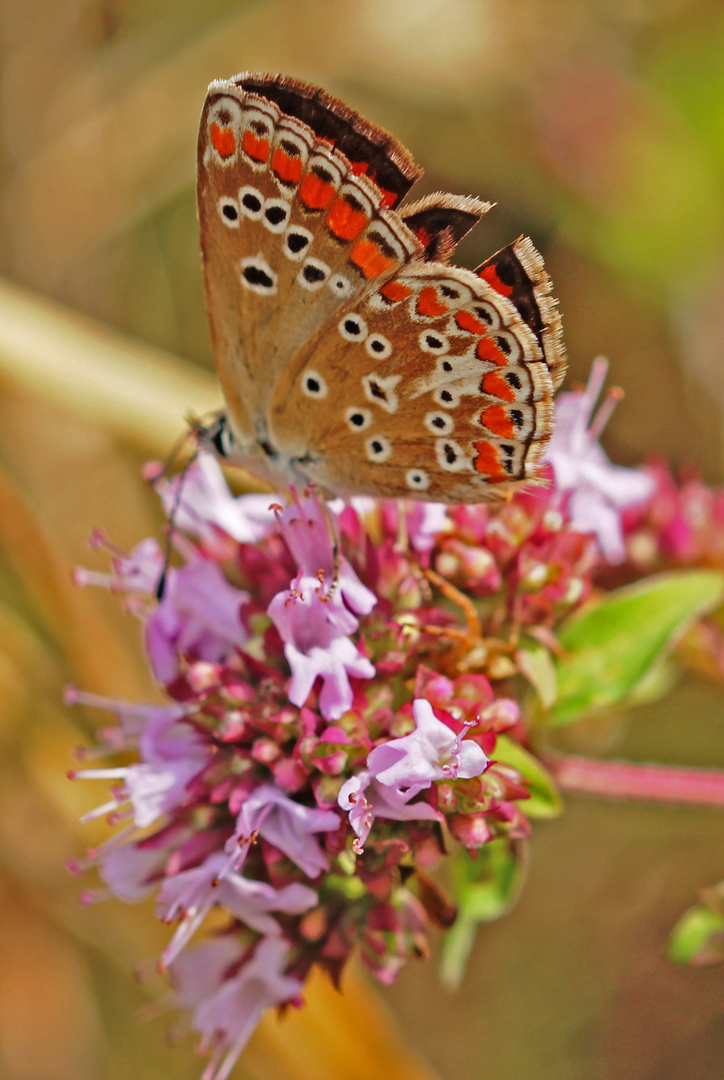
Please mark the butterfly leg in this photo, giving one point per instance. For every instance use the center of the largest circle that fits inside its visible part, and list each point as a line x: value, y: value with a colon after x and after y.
x: 462, y: 601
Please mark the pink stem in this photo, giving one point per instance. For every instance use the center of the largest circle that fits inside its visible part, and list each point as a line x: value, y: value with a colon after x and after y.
x: 626, y: 780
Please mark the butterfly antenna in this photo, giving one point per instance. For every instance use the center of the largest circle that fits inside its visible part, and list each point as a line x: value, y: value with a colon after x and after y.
x: 171, y: 527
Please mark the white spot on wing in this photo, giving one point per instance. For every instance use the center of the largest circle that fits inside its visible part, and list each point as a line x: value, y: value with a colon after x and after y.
x: 229, y: 212
x: 352, y: 327
x: 381, y: 391
x: 451, y: 456
x: 417, y: 480
x: 358, y: 419
x: 313, y: 385
x: 257, y: 275
x: 378, y: 448
x: 378, y: 347
x: 313, y: 274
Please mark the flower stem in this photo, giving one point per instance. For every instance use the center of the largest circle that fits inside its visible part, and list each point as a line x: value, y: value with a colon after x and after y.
x: 628, y: 780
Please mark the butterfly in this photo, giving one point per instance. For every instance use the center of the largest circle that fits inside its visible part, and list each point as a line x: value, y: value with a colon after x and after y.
x: 351, y: 353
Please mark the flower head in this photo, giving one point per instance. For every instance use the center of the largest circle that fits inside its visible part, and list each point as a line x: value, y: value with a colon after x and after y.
x: 333, y: 673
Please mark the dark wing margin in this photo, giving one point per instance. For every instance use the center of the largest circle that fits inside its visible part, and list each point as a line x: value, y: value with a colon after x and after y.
x: 440, y: 221
x: 517, y: 272
x: 370, y: 149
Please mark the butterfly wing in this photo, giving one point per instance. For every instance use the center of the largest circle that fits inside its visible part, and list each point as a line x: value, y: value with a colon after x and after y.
x: 295, y: 197
x: 446, y: 394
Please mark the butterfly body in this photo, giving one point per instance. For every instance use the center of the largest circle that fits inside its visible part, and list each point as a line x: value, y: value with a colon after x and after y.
x: 349, y: 352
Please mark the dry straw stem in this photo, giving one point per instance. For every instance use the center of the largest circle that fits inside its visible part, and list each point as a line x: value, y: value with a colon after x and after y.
x: 136, y: 392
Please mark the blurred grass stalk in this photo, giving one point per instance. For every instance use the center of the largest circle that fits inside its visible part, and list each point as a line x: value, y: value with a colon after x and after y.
x: 140, y: 395
x: 132, y: 390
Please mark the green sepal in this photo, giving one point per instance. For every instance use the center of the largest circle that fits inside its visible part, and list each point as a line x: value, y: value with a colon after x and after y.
x: 536, y: 664
x: 697, y: 940
x: 483, y: 889
x: 545, y: 800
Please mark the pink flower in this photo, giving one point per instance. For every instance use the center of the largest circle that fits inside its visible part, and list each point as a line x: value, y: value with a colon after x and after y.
x: 314, y: 627
x: 431, y: 752
x: 306, y: 531
x: 173, y: 754
x: 191, y: 894
x: 365, y: 799
x: 288, y: 825
x: 206, y: 504
x: 200, y: 613
x: 199, y: 972
x: 598, y: 492
x: 137, y: 571
x: 227, y: 1017
x: 425, y: 522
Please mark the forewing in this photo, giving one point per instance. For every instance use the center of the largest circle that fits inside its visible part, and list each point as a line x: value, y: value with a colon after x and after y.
x: 432, y: 385
x: 295, y: 192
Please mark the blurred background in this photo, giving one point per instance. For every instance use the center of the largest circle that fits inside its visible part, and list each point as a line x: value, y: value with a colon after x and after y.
x: 597, y: 126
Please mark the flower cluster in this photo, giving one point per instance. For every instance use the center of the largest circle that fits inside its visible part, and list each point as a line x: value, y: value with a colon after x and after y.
x: 339, y: 679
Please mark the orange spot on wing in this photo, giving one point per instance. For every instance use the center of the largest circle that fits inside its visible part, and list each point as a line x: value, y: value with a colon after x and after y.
x: 428, y: 303
x: 423, y: 235
x: 490, y: 274
x: 467, y: 321
x: 223, y: 139
x: 289, y: 169
x: 498, y: 387
x: 370, y: 259
x: 488, y: 350
x: 316, y: 194
x: 345, y: 221
x: 255, y: 146
x: 394, y: 291
x: 359, y: 168
x: 496, y: 419
x: 488, y: 461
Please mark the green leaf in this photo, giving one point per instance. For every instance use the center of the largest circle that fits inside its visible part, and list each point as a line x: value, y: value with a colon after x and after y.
x: 536, y: 663
x: 611, y: 647
x: 483, y: 889
x: 544, y: 802
x: 697, y: 939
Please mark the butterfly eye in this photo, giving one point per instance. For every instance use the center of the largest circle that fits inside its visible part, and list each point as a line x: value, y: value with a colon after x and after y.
x: 353, y: 328
x: 313, y: 385
x: 296, y: 242
x: 313, y: 274
x: 358, y: 419
x: 432, y: 342
x: 219, y: 435
x: 258, y: 276
x: 417, y: 480
x: 378, y: 448
x: 229, y: 211
x: 251, y: 202
x: 276, y: 214
x: 439, y: 423
x: 378, y: 346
